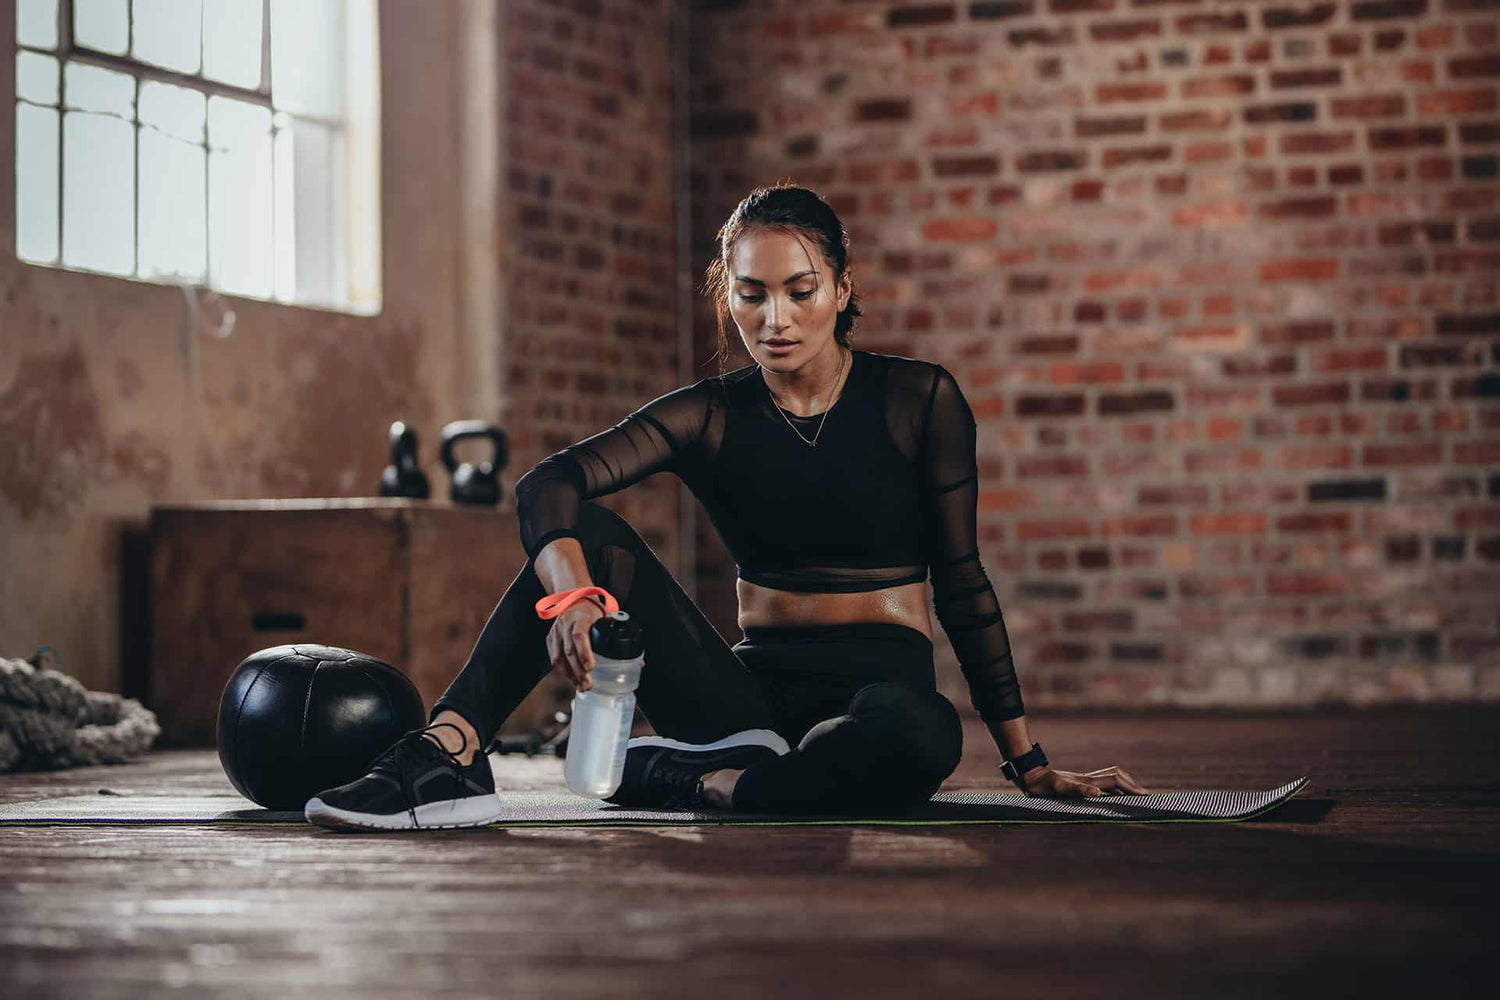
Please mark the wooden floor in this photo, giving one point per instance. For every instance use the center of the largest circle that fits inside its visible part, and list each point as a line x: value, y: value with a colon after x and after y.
x: 1380, y: 880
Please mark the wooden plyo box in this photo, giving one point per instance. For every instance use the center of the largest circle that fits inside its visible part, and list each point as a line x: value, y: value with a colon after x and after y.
x: 411, y: 582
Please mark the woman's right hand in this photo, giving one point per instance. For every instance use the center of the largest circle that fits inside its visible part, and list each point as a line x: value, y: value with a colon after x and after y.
x: 568, y: 646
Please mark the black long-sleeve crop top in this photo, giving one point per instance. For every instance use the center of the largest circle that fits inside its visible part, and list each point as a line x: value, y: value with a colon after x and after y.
x: 889, y: 494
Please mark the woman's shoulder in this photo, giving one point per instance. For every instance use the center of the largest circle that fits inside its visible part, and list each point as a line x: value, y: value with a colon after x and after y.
x: 727, y: 386
x: 901, y: 365
x: 736, y: 376
x: 908, y: 376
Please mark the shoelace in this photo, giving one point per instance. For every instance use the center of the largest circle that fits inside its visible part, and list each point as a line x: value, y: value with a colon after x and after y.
x: 410, y: 741
x: 683, y: 782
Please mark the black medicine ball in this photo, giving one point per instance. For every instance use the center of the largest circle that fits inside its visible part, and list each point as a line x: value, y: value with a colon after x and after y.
x: 296, y: 720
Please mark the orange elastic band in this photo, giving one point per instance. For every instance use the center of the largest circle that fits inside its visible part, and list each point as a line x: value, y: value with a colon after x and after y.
x: 555, y: 604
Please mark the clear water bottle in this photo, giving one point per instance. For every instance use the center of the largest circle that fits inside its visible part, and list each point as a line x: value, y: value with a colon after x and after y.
x: 600, y: 725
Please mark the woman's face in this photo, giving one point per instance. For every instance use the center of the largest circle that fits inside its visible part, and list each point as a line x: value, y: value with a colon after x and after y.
x: 783, y: 298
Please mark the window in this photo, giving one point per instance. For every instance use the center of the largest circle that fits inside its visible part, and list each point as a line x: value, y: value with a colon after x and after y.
x: 226, y: 143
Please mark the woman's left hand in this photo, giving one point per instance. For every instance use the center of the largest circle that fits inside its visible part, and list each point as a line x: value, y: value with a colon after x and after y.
x: 1043, y: 782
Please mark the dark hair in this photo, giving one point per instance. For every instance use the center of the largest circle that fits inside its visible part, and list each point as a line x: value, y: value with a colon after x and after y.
x: 790, y: 209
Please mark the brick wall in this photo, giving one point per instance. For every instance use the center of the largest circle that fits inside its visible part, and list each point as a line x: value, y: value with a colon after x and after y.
x: 588, y: 232
x: 1220, y: 282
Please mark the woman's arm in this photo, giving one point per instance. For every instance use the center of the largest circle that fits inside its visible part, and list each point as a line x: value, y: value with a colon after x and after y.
x: 962, y: 595
x: 965, y: 601
x: 659, y: 436
x: 560, y: 566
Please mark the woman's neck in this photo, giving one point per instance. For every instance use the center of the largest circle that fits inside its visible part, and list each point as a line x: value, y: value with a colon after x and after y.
x: 811, y: 389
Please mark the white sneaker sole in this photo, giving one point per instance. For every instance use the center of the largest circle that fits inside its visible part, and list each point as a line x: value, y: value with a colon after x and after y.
x: 450, y: 814
x: 746, y: 737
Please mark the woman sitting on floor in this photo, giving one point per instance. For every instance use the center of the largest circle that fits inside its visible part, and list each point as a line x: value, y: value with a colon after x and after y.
x: 838, y: 479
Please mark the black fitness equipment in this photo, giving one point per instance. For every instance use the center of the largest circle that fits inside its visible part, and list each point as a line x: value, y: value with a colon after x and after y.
x: 283, y: 739
x: 404, y: 477
x: 476, y: 483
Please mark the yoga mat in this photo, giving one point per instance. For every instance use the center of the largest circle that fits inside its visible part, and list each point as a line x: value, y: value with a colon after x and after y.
x: 562, y: 809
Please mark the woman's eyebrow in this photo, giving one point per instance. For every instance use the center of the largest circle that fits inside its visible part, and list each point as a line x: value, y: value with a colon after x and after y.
x: 757, y: 281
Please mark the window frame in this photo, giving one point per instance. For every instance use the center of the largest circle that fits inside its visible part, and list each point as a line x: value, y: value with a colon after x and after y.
x: 68, y: 50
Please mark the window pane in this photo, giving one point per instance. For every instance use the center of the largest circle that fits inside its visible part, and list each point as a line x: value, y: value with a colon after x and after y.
x: 102, y: 25
x: 169, y: 33
x: 360, y: 187
x: 309, y: 157
x: 307, y: 56
x: 36, y: 183
x: 89, y: 88
x: 231, y: 42
x: 36, y: 78
x: 36, y: 23
x: 98, y: 193
x: 239, y: 197
x: 286, y: 210
x: 173, y: 208
x: 177, y: 111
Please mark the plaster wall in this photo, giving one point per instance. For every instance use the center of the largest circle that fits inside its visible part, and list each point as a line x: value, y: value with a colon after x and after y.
x: 113, y: 399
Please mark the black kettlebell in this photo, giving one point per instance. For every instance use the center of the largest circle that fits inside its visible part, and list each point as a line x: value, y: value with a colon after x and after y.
x: 476, y: 483
x: 403, y: 477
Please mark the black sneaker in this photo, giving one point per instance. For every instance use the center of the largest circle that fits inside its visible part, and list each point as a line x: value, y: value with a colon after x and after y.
x: 415, y: 784
x: 665, y: 774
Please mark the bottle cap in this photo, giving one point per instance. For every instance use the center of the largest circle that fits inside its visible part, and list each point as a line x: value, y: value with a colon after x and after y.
x: 617, y: 637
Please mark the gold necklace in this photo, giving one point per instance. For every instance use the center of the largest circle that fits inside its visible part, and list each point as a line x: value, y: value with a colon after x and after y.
x: 816, y: 434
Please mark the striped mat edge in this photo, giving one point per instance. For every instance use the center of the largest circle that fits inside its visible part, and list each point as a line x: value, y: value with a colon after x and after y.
x: 521, y: 809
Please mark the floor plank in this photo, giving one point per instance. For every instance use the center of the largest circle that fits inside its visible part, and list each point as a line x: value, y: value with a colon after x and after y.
x: 1378, y: 880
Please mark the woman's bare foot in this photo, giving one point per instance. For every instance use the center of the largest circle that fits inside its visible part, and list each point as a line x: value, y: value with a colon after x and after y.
x: 465, y: 745
x: 718, y: 787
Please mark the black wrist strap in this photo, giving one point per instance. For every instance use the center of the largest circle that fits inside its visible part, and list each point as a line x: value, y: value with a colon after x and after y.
x: 1017, y: 766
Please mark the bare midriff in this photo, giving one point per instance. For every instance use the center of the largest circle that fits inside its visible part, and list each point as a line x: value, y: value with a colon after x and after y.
x: 762, y: 607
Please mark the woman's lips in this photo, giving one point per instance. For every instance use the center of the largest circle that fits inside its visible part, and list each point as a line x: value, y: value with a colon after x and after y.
x: 779, y: 345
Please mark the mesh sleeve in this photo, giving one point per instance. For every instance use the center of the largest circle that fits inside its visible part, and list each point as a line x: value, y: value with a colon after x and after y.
x: 962, y: 596
x: 657, y: 437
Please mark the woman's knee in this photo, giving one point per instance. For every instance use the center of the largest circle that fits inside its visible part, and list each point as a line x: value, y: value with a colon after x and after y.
x: 598, y: 525
x: 611, y: 547
x: 921, y: 727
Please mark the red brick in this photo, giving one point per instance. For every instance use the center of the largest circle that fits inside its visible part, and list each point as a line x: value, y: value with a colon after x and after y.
x: 1387, y: 455
x: 1216, y: 587
x: 1149, y: 525
x: 1477, y: 518
x: 1228, y: 524
x: 960, y: 230
x: 1005, y: 500
x: 1201, y: 120
x: 1223, y: 428
x: 1446, y: 103
x: 1317, y: 143
x: 1304, y: 584
x: 1350, y: 360
x: 1051, y: 465
x: 1087, y: 373
x: 1318, y: 457
x: 1230, y: 85
x: 1304, y: 269
x: 1310, y: 395
x: 1058, y: 528
x: 1240, y: 460
x: 1052, y: 559
x: 1305, y: 332
x: 1369, y: 106
x: 1466, y: 67
x: 1477, y: 452
x: 1228, y: 397
x: 1107, y: 620
x: 1340, y: 522
x: 1109, y: 93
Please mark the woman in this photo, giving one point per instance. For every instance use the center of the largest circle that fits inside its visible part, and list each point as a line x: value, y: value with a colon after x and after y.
x: 838, y: 479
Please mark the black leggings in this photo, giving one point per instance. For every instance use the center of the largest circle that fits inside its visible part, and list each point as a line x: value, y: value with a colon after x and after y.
x: 858, y: 702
